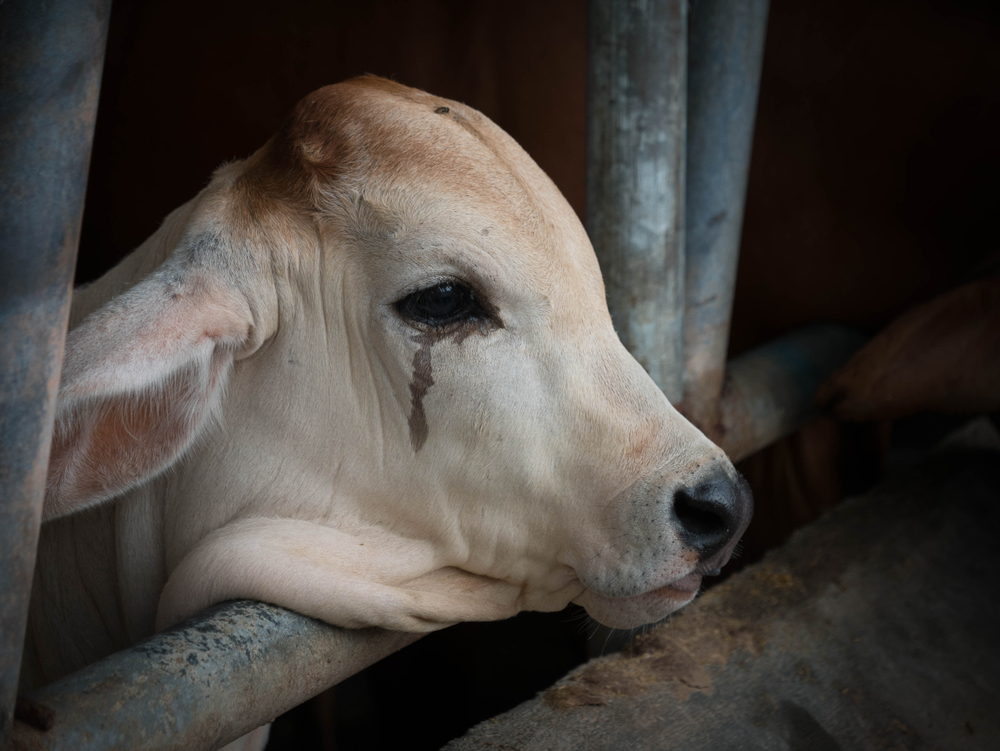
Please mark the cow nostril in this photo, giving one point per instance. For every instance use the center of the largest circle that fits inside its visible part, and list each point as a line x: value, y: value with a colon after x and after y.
x: 711, y: 516
x: 706, y: 523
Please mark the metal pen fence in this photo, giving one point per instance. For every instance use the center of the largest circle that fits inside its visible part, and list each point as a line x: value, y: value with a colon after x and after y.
x: 672, y: 95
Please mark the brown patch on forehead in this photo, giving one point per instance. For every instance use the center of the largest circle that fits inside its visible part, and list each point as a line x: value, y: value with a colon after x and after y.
x: 349, y: 125
x: 372, y: 134
x: 401, y: 150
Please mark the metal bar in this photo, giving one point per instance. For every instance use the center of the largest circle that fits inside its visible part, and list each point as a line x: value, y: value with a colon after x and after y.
x: 725, y: 57
x: 203, y: 683
x: 51, y: 58
x: 636, y: 92
x: 769, y: 392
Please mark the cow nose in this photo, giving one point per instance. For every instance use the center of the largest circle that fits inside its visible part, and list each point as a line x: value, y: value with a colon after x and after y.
x: 712, y: 516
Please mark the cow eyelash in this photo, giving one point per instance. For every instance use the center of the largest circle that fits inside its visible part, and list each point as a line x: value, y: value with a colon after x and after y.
x: 441, y: 304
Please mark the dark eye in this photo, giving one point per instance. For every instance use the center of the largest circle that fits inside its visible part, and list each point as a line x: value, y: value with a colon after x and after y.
x: 440, y: 305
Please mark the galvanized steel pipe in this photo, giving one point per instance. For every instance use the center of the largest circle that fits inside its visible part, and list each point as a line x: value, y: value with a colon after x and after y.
x: 203, y: 683
x: 770, y: 392
x: 636, y: 92
x: 51, y: 58
x: 725, y: 56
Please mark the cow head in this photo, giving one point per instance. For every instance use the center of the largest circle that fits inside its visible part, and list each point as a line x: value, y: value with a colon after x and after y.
x: 378, y: 361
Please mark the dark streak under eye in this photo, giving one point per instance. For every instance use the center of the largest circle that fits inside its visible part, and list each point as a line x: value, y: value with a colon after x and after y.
x: 422, y: 381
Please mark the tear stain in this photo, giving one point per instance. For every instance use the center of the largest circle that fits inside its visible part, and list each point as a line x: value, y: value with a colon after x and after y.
x: 422, y: 381
x: 422, y: 378
x: 481, y: 326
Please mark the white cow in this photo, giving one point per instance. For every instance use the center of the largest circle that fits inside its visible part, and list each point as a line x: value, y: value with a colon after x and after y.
x: 367, y: 374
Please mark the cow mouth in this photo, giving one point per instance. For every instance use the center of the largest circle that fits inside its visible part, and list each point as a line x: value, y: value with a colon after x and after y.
x: 638, y: 610
x: 686, y: 586
x: 681, y: 591
x: 656, y: 603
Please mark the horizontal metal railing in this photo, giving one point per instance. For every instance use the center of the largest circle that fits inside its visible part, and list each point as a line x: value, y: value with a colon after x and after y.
x: 202, y: 683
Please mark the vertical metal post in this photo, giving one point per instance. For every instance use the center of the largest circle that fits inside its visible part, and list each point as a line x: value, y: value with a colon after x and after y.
x: 51, y: 58
x: 725, y: 56
x: 636, y: 117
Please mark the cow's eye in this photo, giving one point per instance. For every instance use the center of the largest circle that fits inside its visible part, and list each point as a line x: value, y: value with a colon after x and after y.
x: 440, y: 305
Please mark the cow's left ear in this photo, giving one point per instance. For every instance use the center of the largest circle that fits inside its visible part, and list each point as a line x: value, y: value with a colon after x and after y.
x: 143, y: 375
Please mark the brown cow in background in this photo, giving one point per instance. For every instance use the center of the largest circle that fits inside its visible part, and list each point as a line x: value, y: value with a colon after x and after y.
x: 941, y: 356
x: 872, y: 190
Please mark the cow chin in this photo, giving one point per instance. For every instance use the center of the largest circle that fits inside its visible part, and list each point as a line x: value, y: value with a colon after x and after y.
x: 640, y: 610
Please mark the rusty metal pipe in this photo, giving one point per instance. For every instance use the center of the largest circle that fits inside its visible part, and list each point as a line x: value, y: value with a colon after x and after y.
x: 725, y: 56
x: 770, y: 392
x: 202, y: 683
x: 636, y: 92
x: 51, y: 59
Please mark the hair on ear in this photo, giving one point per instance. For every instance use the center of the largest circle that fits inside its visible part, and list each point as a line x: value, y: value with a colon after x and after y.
x: 142, y: 377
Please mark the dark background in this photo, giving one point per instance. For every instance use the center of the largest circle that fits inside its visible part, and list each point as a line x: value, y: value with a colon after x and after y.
x: 873, y: 186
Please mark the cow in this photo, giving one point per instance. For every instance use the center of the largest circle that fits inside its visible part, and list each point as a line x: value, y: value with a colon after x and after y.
x: 367, y: 374
x: 940, y: 356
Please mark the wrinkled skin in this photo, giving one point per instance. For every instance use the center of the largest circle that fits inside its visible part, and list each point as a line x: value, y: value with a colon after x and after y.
x: 249, y: 389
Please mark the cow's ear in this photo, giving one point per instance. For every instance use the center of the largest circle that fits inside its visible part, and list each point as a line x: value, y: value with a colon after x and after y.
x: 142, y: 377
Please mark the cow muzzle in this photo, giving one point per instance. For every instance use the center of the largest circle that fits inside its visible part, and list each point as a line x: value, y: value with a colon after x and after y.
x: 676, y: 532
